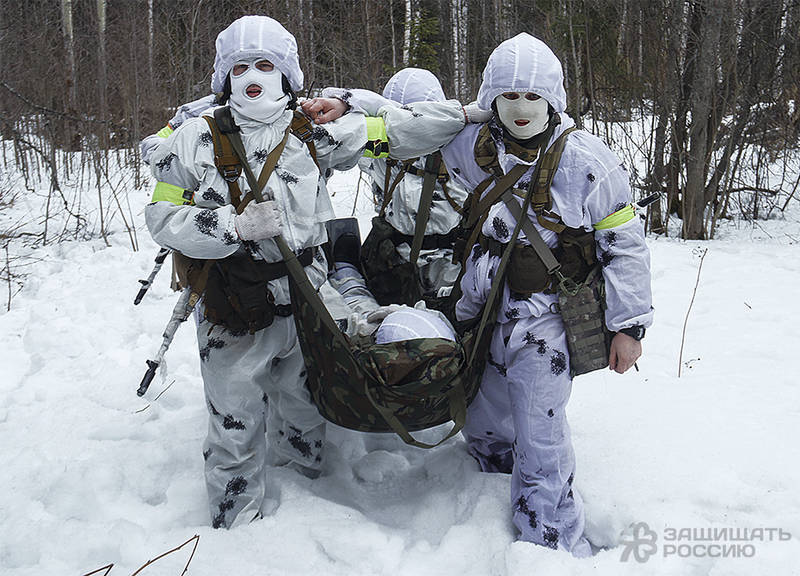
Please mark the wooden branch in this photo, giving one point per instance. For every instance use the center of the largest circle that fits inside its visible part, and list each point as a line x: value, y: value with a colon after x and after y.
x: 195, y: 538
x: 106, y: 568
x: 686, y: 321
x: 754, y: 189
x: 51, y: 110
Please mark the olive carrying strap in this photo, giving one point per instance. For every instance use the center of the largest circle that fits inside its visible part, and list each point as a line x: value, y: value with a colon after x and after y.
x: 388, y: 189
x: 228, y: 140
x: 480, y: 209
x: 432, y: 163
x: 543, y: 177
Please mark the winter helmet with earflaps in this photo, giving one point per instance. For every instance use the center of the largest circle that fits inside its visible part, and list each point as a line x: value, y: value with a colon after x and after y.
x: 254, y: 37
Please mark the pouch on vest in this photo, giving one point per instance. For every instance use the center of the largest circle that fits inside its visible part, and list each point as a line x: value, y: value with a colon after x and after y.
x: 237, y: 296
x: 527, y: 273
x: 583, y: 313
x: 390, y: 279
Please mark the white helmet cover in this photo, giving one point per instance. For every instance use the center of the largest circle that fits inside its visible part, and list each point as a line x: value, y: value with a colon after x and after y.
x: 253, y: 37
x: 410, y: 324
x: 411, y: 85
x: 523, y: 64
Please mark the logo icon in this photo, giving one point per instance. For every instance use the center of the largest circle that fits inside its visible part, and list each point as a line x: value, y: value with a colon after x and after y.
x: 642, y: 544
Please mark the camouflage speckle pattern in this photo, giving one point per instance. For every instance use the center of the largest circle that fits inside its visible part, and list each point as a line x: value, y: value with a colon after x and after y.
x: 411, y: 378
x: 212, y: 344
x: 558, y: 362
x: 165, y: 163
x: 212, y: 195
x: 206, y: 222
x: 522, y: 507
x: 550, y: 537
x: 500, y: 228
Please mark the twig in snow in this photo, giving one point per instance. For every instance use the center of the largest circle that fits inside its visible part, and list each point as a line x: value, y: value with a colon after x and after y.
x: 196, y: 539
x: 160, y: 394
x: 8, y: 271
x: 106, y: 568
x: 686, y: 321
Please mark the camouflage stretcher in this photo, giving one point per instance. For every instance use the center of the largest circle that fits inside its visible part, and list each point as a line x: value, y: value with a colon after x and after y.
x: 402, y: 386
x: 399, y: 387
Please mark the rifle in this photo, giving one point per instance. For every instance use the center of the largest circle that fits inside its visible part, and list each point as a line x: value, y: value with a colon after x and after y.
x: 647, y: 200
x: 182, y: 311
x: 160, y: 257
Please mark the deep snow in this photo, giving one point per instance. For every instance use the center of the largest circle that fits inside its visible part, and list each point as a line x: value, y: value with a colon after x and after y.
x: 92, y: 474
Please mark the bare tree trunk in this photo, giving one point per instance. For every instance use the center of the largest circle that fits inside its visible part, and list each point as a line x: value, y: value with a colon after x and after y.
x: 621, y: 36
x: 502, y: 28
x: 312, y: 44
x: 69, y: 48
x: 102, y: 72
x: 394, y: 39
x: 407, y: 32
x: 707, y: 33
x: 576, y: 57
x: 150, y: 43
x: 459, y: 15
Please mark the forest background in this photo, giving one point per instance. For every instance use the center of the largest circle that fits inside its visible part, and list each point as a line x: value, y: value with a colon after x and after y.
x: 713, y: 84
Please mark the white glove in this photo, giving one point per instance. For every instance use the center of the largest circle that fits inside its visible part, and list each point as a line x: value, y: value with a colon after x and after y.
x: 258, y: 221
x: 476, y: 115
x: 377, y: 316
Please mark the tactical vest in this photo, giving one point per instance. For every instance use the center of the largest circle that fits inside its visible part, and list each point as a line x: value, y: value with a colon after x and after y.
x: 576, y: 247
x: 390, y: 278
x: 571, y: 270
x: 234, y: 288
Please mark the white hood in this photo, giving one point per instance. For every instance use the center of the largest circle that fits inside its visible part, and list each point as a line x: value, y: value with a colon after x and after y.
x: 411, y: 85
x: 523, y: 64
x: 254, y: 36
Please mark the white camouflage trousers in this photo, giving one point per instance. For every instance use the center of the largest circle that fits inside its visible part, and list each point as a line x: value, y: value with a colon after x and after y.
x: 256, y: 396
x: 517, y: 424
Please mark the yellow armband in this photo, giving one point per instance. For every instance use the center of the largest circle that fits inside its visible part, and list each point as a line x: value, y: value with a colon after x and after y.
x: 377, y: 140
x: 165, y: 131
x: 618, y: 218
x: 171, y: 193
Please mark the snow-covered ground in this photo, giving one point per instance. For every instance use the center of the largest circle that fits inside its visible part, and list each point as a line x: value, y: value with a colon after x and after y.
x: 92, y: 474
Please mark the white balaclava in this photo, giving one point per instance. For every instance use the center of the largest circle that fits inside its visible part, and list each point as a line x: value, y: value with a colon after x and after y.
x: 410, y: 324
x: 258, y: 95
x: 523, y: 118
x: 411, y: 85
x: 523, y: 64
x: 246, y: 41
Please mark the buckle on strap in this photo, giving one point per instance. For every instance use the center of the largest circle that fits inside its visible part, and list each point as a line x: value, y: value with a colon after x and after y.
x: 229, y: 167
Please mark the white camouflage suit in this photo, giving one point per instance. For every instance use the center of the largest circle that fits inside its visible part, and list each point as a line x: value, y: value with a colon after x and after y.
x: 517, y: 424
x: 436, y: 269
x: 256, y: 381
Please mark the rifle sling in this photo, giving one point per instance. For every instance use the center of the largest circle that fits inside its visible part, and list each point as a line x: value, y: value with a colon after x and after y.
x: 432, y: 163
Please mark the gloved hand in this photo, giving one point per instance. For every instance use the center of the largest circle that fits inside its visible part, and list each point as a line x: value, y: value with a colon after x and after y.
x: 377, y: 316
x: 476, y: 115
x: 258, y: 221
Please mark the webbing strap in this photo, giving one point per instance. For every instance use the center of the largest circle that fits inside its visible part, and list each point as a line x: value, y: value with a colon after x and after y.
x: 226, y: 160
x: 388, y: 189
x: 536, y: 240
x: 545, y: 171
x: 432, y: 163
x: 506, y: 182
x: 480, y: 209
x: 499, y: 276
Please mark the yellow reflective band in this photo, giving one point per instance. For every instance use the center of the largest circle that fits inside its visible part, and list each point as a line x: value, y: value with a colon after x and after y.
x: 377, y: 141
x: 617, y: 218
x: 174, y: 194
x: 165, y: 131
